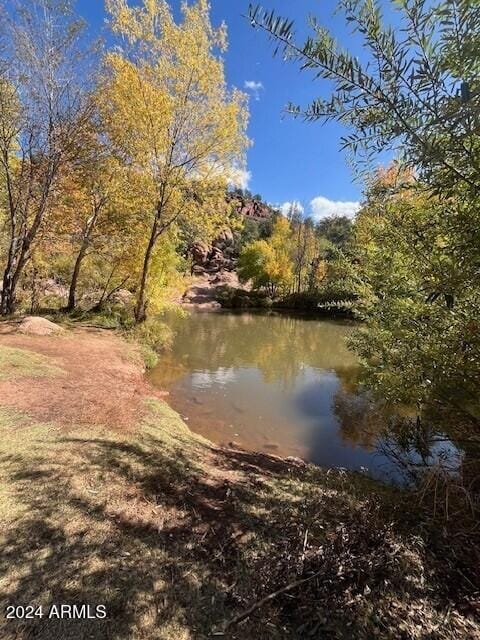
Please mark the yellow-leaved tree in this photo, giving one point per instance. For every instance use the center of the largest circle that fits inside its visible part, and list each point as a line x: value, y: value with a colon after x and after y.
x: 268, y: 263
x: 167, y: 112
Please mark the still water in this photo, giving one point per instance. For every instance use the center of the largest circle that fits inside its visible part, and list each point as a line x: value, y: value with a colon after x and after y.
x: 277, y: 384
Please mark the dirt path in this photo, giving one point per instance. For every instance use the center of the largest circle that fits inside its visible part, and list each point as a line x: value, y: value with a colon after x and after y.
x: 102, y: 383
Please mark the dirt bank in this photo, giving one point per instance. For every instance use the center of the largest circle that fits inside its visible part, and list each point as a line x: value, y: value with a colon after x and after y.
x: 107, y: 498
x: 100, y: 383
x: 203, y: 292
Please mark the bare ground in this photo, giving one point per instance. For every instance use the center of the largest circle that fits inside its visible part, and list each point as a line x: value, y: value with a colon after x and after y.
x: 107, y: 498
x: 102, y: 381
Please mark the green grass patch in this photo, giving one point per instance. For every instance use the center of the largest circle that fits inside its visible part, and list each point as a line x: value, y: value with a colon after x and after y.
x: 15, y: 363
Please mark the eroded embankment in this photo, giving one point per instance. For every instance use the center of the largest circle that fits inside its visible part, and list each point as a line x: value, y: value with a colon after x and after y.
x: 107, y: 498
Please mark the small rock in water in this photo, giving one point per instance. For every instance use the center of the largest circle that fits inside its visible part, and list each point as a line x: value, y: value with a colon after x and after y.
x: 272, y: 446
x: 238, y: 408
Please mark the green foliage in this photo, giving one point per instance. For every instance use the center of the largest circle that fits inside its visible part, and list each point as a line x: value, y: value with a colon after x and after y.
x: 299, y: 265
x: 240, y: 299
x: 421, y: 296
x: 337, y: 230
x: 154, y: 334
x: 253, y: 230
x: 249, y: 233
x: 414, y: 265
x: 253, y: 264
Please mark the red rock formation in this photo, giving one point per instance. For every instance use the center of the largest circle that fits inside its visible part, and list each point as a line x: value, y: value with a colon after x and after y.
x: 220, y: 255
x: 253, y: 209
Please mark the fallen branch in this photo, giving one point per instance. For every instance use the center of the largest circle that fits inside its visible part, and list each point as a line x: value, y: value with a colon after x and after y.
x: 260, y: 603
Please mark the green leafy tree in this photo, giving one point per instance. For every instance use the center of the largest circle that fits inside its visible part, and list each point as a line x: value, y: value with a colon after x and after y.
x: 422, y: 337
x: 336, y: 229
x: 416, y: 93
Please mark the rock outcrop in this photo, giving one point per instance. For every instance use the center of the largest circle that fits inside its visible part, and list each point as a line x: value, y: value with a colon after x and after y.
x: 222, y: 255
x: 252, y: 209
x: 204, y: 292
x: 219, y: 256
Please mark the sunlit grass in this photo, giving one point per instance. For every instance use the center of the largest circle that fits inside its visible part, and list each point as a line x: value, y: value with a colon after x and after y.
x: 16, y: 363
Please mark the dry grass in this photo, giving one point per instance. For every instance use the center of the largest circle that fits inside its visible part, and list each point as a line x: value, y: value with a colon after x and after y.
x: 177, y: 537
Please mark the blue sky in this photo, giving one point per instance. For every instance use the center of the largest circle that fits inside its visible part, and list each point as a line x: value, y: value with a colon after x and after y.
x: 290, y: 160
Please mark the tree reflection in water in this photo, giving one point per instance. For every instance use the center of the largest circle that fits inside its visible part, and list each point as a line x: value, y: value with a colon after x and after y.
x: 284, y: 384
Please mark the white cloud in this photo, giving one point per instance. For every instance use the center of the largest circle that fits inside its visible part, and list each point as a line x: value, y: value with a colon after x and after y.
x: 255, y: 87
x: 323, y: 208
x: 287, y: 207
x: 252, y: 85
x: 239, y: 178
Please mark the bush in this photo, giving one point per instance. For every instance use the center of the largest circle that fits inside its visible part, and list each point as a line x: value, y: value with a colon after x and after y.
x: 231, y: 298
x: 154, y: 333
x: 338, y: 303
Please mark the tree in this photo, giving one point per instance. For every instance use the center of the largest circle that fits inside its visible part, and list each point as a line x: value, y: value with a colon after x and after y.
x: 301, y: 233
x: 98, y: 207
x: 168, y: 114
x: 268, y: 263
x: 254, y: 265
x: 423, y: 338
x: 416, y: 93
x: 417, y: 90
x: 336, y: 229
x: 43, y: 110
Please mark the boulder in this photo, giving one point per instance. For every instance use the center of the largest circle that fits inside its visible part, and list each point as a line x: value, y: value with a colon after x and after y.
x: 200, y: 251
x: 198, y: 270
x: 230, y: 265
x: 216, y: 252
x: 225, y: 239
x: 36, y: 326
x: 123, y: 296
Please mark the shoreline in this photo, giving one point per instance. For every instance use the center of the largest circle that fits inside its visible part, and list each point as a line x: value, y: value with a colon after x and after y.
x: 107, y: 496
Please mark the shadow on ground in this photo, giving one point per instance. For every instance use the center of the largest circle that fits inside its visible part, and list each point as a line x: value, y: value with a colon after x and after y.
x: 176, y: 538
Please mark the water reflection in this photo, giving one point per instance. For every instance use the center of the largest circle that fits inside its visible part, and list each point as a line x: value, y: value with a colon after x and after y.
x: 276, y: 383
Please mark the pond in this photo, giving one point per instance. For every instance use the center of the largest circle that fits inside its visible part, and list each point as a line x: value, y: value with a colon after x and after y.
x: 278, y: 384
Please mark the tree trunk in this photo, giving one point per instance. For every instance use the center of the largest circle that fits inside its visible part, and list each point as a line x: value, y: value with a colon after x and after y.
x: 8, y: 293
x: 21, y: 242
x: 7, y: 305
x: 11, y: 277
x: 142, y: 302
x: 87, y: 234
x: 72, y: 292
